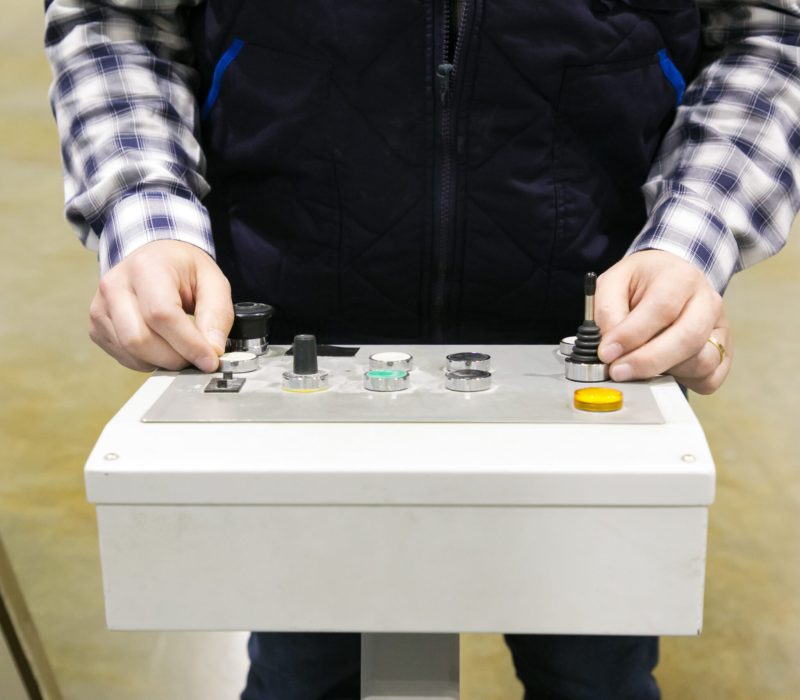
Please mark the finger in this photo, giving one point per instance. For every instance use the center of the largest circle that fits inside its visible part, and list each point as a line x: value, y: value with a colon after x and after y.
x: 707, y: 360
x: 612, y: 305
x: 162, y: 311
x: 679, y: 342
x: 712, y: 382
x: 658, y: 308
x: 213, y: 309
x: 102, y: 333
x: 133, y: 335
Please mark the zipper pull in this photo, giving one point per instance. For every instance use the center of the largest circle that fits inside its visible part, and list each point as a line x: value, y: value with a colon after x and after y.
x: 444, y: 75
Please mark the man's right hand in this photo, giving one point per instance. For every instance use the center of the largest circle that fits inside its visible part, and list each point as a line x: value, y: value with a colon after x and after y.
x: 140, y: 313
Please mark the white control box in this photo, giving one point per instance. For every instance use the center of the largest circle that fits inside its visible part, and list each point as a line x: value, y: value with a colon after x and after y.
x: 421, y: 510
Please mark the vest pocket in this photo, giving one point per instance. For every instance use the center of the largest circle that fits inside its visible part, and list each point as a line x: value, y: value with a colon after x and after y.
x: 261, y: 104
x: 611, y: 118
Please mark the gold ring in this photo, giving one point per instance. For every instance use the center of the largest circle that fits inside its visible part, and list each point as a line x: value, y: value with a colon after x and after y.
x: 720, y: 347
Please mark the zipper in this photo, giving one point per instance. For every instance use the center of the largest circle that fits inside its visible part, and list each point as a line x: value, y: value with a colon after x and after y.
x: 446, y: 72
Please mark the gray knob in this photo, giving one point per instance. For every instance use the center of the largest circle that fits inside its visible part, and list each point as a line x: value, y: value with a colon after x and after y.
x: 468, y: 380
x: 305, y: 376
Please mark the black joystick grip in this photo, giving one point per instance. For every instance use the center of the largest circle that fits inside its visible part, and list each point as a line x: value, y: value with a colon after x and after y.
x: 587, y: 340
x: 305, y: 354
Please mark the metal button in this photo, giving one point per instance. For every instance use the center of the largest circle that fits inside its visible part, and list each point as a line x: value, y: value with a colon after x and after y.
x: 238, y: 362
x: 386, y: 380
x: 468, y: 360
x: 391, y: 360
x: 468, y: 380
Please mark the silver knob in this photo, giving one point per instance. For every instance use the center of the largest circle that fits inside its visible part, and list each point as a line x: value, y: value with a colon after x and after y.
x: 468, y: 380
x: 468, y: 360
x: 306, y: 383
x: 238, y: 362
x: 566, y: 345
x: 586, y: 371
x: 386, y: 380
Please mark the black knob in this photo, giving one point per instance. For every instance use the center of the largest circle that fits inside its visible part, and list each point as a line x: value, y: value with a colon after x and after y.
x: 305, y: 354
x: 250, y: 330
x: 250, y: 320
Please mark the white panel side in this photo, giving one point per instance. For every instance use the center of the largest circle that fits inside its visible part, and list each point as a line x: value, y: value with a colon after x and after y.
x: 405, y: 569
x: 496, y: 464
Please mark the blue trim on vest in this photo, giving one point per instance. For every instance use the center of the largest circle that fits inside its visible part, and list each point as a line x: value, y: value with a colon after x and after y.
x: 219, y: 70
x: 672, y: 74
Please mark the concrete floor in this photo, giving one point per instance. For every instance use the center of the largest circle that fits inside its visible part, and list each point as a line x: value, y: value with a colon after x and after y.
x: 58, y: 391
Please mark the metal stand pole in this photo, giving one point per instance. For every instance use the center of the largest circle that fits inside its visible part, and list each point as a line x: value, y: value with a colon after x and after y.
x: 24, y: 671
x: 409, y: 666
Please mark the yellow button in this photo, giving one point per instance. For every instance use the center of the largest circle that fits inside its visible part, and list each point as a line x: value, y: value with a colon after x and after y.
x: 598, y: 399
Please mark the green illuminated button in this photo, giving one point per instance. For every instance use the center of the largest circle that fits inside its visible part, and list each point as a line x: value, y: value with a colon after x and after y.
x: 386, y: 380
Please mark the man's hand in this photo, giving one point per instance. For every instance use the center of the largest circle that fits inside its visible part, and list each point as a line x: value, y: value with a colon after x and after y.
x: 656, y: 312
x: 139, y: 313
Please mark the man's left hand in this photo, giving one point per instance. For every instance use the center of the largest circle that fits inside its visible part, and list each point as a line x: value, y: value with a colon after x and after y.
x: 657, y: 313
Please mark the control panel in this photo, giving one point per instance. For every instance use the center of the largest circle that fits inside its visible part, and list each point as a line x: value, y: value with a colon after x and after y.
x: 419, y: 383
x: 425, y: 383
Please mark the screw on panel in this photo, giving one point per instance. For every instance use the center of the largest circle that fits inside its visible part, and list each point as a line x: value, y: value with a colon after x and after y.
x: 110, y: 456
x: 688, y: 458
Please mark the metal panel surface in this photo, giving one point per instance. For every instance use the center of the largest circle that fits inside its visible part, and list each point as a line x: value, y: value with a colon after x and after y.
x: 528, y: 387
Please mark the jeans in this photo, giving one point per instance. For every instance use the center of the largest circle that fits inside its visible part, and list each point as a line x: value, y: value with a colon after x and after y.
x: 292, y: 666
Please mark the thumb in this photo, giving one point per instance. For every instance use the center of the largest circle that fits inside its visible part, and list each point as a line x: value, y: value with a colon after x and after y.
x: 612, y: 305
x: 213, y: 309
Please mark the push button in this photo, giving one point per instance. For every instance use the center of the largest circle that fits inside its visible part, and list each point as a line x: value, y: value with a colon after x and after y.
x: 391, y: 360
x: 386, y: 380
x: 468, y: 360
x: 598, y: 399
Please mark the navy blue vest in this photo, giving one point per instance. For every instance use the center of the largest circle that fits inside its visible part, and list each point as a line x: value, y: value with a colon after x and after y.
x: 378, y: 177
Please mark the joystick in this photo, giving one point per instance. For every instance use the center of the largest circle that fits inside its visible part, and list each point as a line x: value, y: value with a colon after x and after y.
x: 583, y: 365
x: 305, y: 375
x: 250, y: 331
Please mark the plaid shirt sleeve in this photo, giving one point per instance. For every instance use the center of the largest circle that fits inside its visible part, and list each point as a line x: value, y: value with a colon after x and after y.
x: 722, y: 193
x: 725, y: 187
x: 123, y: 97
